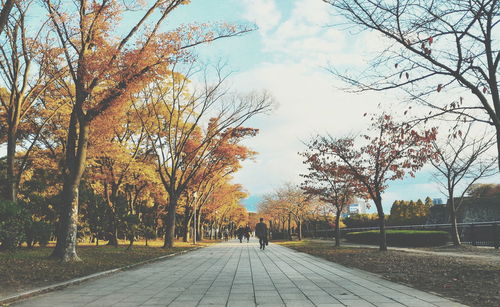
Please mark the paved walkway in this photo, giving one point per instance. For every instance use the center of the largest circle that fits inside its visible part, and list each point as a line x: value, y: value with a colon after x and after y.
x: 239, y: 274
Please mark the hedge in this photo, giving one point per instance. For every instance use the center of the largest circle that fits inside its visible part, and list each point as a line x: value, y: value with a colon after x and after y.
x: 408, y: 238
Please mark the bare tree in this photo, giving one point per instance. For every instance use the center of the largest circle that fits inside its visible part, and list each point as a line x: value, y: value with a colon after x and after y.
x: 434, y: 46
x: 459, y: 163
x: 24, y: 70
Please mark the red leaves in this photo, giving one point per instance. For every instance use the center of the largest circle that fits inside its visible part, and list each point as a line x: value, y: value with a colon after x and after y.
x: 430, y: 40
x: 485, y: 89
x: 439, y: 88
x: 407, y: 75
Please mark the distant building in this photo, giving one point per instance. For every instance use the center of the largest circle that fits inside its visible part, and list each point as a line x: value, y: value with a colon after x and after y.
x: 437, y: 201
x: 482, y: 209
x: 359, y: 207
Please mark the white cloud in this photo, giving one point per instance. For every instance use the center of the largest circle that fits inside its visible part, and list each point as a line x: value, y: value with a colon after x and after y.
x: 263, y: 13
x: 309, y: 104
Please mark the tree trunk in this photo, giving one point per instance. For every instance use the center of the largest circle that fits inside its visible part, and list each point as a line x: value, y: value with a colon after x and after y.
x: 455, y: 237
x: 132, y: 239
x: 381, y: 223
x: 498, y: 145
x: 76, y: 154
x: 199, y: 234
x: 170, y: 222
x: 337, y: 229
x: 186, y: 223
x: 4, y: 14
x: 289, y: 226
x: 113, y: 236
x: 300, y: 229
x: 11, y: 191
x: 65, y: 249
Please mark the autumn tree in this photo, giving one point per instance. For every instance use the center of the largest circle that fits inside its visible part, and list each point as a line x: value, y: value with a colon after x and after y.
x: 433, y: 47
x: 119, y: 162
x: 108, y: 61
x: 388, y: 154
x: 331, y: 182
x: 183, y: 147
x: 460, y: 161
x: 289, y: 201
x: 25, y: 68
x: 215, y: 171
x: 405, y: 213
x: 223, y: 208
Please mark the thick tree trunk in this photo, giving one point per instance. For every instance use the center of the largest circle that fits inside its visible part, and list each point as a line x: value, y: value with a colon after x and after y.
x: 170, y: 222
x: 113, y: 236
x: 337, y: 229
x: 76, y: 154
x: 65, y: 249
x: 381, y: 223
x: 11, y: 191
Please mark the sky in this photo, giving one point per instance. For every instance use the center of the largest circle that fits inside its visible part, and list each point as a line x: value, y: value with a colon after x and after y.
x: 289, y: 56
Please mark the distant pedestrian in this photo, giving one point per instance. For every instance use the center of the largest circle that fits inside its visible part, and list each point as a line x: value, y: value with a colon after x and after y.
x: 239, y: 233
x: 225, y: 234
x: 246, y: 233
x: 261, y: 233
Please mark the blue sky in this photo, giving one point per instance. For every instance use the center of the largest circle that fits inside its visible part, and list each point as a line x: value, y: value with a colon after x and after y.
x: 288, y: 56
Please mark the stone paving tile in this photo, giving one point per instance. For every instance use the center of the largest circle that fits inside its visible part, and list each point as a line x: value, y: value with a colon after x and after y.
x: 236, y: 274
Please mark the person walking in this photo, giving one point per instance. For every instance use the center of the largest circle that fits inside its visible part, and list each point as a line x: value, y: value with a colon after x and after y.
x: 239, y: 233
x: 246, y: 233
x: 261, y: 233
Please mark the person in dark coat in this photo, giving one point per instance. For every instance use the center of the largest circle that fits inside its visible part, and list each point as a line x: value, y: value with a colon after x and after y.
x: 246, y: 233
x: 261, y: 233
x: 239, y: 233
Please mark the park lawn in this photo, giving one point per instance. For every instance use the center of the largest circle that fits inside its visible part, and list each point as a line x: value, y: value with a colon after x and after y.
x: 25, y: 268
x: 474, y: 282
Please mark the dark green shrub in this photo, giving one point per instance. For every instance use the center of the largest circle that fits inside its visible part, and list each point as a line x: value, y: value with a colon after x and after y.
x: 362, y: 220
x: 38, y: 232
x: 409, y: 238
x: 13, y: 219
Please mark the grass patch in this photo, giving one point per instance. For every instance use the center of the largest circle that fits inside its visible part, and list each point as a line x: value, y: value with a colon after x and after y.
x: 471, y: 281
x: 26, y: 268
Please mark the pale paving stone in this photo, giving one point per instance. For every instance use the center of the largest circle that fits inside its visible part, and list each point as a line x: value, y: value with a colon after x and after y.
x: 232, y: 275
